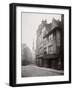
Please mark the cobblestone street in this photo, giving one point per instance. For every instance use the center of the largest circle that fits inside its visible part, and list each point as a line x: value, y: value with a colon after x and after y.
x: 33, y: 70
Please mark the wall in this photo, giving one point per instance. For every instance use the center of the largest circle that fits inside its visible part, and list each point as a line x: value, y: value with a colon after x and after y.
x: 4, y: 45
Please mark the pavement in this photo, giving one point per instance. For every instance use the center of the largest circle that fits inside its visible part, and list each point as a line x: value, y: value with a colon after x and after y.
x: 33, y: 70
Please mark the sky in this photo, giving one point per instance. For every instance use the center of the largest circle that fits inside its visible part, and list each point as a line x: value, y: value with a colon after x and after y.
x: 30, y: 23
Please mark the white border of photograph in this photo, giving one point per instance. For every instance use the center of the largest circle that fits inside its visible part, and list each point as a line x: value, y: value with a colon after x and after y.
x: 65, y: 77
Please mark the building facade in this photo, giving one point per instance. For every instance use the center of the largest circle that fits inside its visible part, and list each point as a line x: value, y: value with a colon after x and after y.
x: 50, y: 44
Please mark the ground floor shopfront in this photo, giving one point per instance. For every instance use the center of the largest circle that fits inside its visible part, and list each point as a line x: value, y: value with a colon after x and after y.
x: 53, y: 61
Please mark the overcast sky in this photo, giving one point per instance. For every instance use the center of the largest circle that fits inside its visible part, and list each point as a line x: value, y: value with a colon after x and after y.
x: 30, y: 23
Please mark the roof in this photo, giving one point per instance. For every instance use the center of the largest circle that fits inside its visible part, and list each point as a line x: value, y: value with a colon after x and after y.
x: 49, y: 27
x: 52, y: 26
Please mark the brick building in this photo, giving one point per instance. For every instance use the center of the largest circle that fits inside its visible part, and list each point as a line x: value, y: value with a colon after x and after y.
x: 50, y: 44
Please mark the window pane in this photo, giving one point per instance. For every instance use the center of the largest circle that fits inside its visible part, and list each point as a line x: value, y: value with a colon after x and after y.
x: 51, y: 36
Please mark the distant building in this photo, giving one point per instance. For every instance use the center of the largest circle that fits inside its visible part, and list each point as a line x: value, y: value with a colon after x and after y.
x: 50, y: 44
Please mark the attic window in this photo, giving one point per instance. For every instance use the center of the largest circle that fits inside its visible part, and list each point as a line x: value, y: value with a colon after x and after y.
x: 50, y: 37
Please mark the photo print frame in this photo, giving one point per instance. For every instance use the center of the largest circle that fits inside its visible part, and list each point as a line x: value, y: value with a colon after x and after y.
x: 40, y: 44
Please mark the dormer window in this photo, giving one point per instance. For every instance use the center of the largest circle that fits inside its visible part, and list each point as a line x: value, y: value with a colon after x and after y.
x: 50, y: 37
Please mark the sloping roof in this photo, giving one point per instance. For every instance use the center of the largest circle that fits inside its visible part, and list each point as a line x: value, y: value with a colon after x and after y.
x: 48, y: 27
x: 55, y: 24
x: 51, y: 27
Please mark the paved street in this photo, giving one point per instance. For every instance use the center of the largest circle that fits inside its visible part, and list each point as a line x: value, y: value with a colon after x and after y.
x: 32, y: 70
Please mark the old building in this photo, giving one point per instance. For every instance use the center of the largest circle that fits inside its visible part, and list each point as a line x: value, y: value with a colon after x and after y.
x: 50, y: 44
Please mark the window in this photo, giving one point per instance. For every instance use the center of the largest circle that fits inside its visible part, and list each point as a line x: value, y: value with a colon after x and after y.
x: 51, y: 49
x: 45, y: 52
x: 50, y: 37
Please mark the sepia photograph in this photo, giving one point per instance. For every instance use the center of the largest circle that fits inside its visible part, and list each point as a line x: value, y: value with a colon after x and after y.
x: 42, y: 44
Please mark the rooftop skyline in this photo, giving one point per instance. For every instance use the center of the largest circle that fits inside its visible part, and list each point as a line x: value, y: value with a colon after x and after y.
x: 30, y: 23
